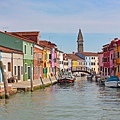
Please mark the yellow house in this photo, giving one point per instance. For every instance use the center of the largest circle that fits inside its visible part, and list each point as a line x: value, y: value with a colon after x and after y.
x: 75, y: 61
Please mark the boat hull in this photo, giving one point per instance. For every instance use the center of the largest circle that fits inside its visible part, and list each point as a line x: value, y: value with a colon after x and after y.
x: 65, y: 80
x: 112, y: 81
x: 112, y: 84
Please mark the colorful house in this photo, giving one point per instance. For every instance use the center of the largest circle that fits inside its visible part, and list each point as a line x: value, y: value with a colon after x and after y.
x: 13, y: 63
x: 91, y: 61
x: 38, y: 61
x: 77, y: 62
x: 116, y: 45
x: 34, y: 37
x: 48, y: 58
x: 106, y: 60
x: 100, y: 61
x: 17, y: 42
x: 61, y: 59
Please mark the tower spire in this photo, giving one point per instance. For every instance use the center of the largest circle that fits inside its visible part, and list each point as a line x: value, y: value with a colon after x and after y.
x: 80, y: 37
x: 80, y: 42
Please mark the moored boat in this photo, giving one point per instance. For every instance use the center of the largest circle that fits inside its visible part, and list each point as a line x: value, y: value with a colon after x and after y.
x: 112, y: 81
x: 65, y: 80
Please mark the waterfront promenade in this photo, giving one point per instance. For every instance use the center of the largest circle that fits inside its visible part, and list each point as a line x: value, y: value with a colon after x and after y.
x: 26, y: 85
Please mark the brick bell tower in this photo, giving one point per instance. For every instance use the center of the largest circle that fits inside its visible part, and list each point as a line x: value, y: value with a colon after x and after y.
x: 80, y: 42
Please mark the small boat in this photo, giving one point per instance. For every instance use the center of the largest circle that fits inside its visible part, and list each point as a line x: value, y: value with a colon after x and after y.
x: 65, y: 80
x: 112, y: 81
x: 89, y: 77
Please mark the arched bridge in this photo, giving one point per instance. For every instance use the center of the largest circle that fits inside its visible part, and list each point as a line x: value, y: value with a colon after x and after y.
x: 81, y: 71
x: 88, y: 71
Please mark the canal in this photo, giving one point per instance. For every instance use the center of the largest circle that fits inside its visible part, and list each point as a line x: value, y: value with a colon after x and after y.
x: 82, y: 100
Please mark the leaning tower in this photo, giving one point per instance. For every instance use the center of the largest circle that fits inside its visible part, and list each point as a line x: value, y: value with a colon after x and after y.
x: 80, y: 42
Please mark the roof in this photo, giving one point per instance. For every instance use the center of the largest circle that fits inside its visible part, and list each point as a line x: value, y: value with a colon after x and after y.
x: 74, y: 57
x: 100, y: 52
x: 80, y: 37
x: 106, y: 45
x: 48, y: 44
x: 89, y: 53
x: 9, y: 50
x: 36, y: 33
x: 16, y: 36
x: 32, y: 35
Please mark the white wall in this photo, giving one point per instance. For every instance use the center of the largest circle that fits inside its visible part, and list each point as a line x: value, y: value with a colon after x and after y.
x: 6, y: 58
x: 18, y: 61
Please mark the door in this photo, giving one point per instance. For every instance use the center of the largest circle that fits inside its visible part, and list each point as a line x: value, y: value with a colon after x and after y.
x: 28, y: 72
x: 18, y: 72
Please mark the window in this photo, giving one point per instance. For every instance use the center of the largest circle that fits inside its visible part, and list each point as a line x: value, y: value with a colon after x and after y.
x: 31, y: 50
x: 49, y: 56
x: 118, y: 54
x: 25, y: 49
x: 111, y: 57
x: 25, y: 68
x: 9, y: 66
x: 118, y: 68
x: 14, y: 70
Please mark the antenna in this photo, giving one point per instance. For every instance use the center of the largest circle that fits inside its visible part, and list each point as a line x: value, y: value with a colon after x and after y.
x: 4, y: 28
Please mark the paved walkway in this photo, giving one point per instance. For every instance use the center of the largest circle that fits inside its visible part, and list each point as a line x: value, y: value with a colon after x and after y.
x: 26, y: 85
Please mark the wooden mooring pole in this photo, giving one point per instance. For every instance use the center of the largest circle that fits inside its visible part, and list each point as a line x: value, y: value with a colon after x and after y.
x: 55, y: 77
x: 4, y: 81
x: 31, y: 77
x: 42, y: 82
x: 50, y: 80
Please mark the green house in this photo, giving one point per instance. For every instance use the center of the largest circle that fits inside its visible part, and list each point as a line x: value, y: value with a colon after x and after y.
x: 21, y: 44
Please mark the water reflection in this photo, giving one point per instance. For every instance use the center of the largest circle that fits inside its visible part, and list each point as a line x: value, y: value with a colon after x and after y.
x: 65, y: 85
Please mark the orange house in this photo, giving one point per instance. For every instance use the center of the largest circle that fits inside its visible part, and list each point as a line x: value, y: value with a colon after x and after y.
x: 38, y: 62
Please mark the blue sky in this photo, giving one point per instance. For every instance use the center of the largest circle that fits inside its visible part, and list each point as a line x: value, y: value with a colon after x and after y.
x: 60, y: 20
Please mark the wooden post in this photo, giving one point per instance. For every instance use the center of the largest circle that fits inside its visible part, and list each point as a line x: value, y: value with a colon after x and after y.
x: 31, y: 77
x: 4, y: 81
x: 50, y: 80
x: 42, y: 82
x: 55, y: 77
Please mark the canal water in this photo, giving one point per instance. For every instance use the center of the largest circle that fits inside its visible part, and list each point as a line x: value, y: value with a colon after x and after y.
x: 82, y: 100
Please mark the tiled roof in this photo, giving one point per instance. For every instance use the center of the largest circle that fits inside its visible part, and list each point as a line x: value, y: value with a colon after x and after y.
x: 100, y: 52
x: 89, y: 54
x: 47, y: 44
x: 33, y: 36
x: 9, y: 50
x: 36, y: 33
x: 16, y: 36
x: 74, y: 57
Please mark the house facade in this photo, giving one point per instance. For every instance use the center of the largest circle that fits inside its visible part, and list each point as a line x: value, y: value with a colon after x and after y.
x: 100, y: 61
x: 38, y: 62
x: 16, y: 42
x: 106, y: 60
x: 13, y: 63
